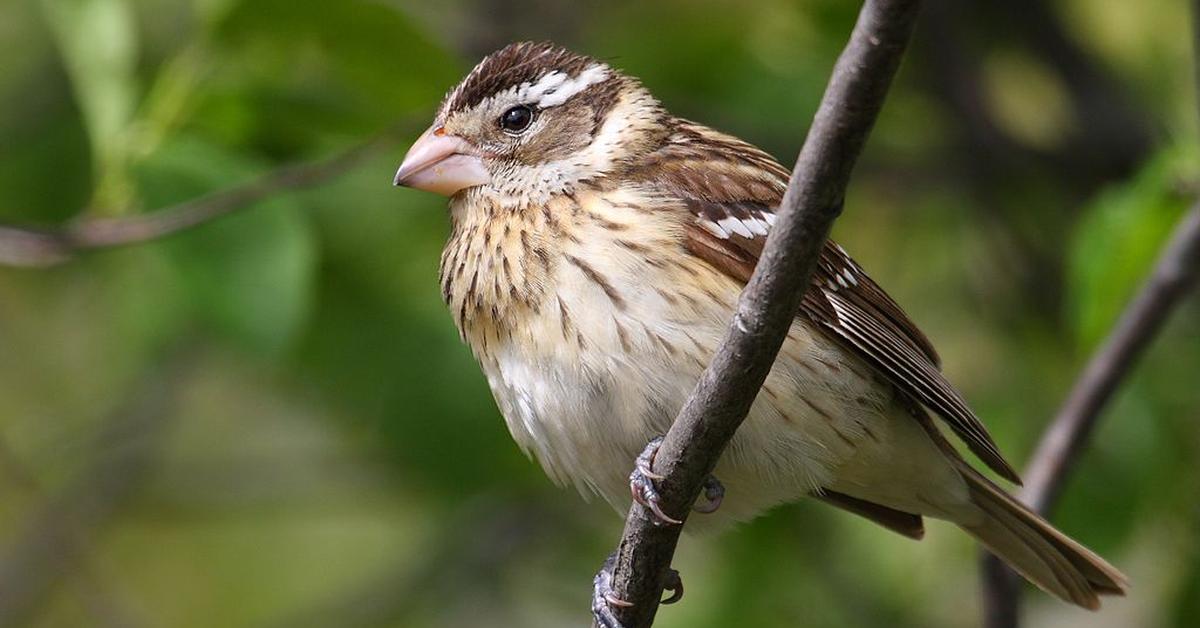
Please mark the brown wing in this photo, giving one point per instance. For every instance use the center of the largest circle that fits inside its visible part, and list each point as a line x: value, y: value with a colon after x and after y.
x: 732, y: 189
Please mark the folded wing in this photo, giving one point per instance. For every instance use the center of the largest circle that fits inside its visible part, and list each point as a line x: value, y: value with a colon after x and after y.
x: 732, y: 190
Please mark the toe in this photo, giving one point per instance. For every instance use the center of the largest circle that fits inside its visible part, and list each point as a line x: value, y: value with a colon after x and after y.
x: 714, y: 494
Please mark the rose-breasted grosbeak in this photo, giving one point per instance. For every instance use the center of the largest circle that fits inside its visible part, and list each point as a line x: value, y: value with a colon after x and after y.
x: 598, y: 247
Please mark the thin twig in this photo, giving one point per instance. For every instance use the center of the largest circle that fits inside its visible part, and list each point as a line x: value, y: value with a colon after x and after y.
x: 770, y: 301
x: 1176, y: 271
x: 40, y: 248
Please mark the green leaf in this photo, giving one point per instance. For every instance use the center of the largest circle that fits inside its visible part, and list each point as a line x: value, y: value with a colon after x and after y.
x: 370, y: 56
x: 99, y: 45
x: 1119, y: 239
x: 249, y: 275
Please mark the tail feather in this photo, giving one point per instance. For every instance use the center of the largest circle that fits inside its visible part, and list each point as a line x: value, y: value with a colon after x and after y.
x: 1029, y: 544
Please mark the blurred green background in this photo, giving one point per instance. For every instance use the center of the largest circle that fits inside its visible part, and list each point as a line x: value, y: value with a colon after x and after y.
x: 269, y: 421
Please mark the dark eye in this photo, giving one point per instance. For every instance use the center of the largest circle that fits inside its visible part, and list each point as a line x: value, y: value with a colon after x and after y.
x: 517, y: 119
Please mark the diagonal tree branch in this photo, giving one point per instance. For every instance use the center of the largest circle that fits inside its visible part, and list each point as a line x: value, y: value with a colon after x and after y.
x: 40, y: 247
x: 1175, y: 273
x: 769, y: 302
x: 1177, y: 270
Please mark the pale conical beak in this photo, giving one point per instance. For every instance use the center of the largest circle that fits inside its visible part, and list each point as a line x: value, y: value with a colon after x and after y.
x: 441, y: 163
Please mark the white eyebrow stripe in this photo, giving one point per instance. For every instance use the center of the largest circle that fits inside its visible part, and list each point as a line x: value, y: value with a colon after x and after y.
x: 533, y: 92
x: 552, y: 92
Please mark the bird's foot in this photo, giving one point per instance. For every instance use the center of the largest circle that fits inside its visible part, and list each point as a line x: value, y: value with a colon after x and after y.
x: 674, y: 584
x: 641, y: 485
x: 714, y: 494
x: 605, y: 601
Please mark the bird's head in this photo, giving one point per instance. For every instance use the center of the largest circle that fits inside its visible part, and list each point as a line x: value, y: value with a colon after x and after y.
x: 530, y: 121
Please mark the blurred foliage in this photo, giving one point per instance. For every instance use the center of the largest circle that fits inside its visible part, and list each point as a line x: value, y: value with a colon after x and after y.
x: 333, y: 457
x: 1128, y: 223
x: 248, y: 277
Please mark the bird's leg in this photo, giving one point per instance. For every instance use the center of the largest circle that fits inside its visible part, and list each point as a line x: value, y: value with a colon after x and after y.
x: 641, y: 485
x: 604, y: 599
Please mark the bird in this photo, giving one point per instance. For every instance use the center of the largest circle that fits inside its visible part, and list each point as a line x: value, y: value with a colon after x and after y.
x: 598, y: 245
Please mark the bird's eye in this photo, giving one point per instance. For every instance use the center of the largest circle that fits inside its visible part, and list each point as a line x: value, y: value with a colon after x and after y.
x: 516, y: 119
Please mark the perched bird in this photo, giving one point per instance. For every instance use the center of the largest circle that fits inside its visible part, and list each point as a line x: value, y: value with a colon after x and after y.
x: 598, y: 247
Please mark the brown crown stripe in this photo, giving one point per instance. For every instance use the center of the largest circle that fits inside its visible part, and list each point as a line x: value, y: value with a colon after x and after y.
x: 522, y: 62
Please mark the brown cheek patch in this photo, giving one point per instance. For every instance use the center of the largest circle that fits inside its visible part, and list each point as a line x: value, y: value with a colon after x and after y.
x: 563, y: 131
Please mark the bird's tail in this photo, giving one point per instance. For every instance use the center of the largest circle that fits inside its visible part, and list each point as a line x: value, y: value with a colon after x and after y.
x: 1046, y: 557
